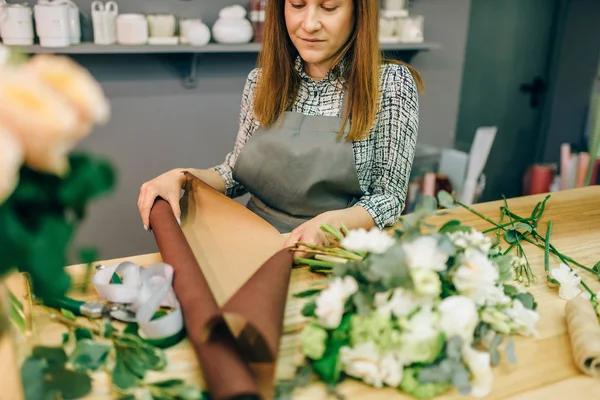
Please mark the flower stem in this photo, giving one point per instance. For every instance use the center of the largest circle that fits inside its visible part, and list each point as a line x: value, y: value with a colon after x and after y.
x: 512, y: 223
x: 547, y: 255
x: 480, y: 215
x: 314, y: 264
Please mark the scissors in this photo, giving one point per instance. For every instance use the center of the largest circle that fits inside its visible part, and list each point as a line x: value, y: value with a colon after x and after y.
x: 93, y: 309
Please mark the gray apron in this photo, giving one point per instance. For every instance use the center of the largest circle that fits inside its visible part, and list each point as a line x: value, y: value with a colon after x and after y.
x: 296, y: 170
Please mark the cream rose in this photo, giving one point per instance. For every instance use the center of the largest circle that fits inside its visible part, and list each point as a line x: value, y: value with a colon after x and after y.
x: 41, y: 119
x: 77, y: 85
x: 11, y: 158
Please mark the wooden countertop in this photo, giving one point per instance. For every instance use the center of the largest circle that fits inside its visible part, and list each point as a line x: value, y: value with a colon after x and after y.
x: 544, y: 368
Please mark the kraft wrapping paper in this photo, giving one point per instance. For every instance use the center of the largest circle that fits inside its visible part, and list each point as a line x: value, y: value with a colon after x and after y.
x: 231, y: 279
x: 584, y: 332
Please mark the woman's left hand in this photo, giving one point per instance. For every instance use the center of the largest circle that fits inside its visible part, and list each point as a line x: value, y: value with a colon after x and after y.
x: 309, y: 232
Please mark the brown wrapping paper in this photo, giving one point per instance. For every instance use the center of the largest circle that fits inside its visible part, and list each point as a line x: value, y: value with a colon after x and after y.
x: 584, y: 331
x: 231, y: 279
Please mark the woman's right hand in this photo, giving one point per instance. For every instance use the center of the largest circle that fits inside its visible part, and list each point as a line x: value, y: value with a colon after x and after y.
x: 168, y: 186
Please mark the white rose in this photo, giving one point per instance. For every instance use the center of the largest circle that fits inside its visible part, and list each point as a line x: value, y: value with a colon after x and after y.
x: 423, y: 252
x: 458, y: 317
x: 478, y: 363
x: 476, y: 277
x: 373, y: 241
x: 365, y: 362
x: 402, y: 303
x: 420, y: 337
x: 391, y: 369
x: 331, y: 301
x: 569, y: 281
x: 426, y: 282
x: 11, y: 159
x: 362, y: 361
x: 523, y: 318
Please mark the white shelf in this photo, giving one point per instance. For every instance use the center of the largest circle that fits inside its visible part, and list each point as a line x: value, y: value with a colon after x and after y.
x: 91, y: 48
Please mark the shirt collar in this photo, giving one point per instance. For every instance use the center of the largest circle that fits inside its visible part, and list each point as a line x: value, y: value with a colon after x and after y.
x: 299, y: 66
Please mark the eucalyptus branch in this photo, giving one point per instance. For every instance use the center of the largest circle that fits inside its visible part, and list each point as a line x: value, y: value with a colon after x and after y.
x: 58, y: 317
x: 480, y: 215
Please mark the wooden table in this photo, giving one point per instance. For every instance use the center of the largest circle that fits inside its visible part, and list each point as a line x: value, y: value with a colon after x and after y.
x: 544, y: 369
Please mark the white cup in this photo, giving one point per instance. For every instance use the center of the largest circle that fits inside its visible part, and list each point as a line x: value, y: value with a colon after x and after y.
x: 132, y: 29
x: 16, y: 24
x: 162, y: 25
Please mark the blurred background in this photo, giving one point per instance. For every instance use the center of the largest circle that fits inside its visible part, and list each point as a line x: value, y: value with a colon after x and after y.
x: 509, y: 106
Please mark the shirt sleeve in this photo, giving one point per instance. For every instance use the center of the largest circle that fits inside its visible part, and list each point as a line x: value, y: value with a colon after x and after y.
x: 395, y: 142
x: 247, y: 126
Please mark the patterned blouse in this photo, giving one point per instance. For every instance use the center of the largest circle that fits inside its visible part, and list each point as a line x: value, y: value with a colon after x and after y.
x: 383, y: 159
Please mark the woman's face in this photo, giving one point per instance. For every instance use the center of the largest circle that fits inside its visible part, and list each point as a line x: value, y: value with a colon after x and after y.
x: 318, y: 29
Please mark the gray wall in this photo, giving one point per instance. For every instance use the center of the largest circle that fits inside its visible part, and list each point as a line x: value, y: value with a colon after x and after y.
x: 574, y: 69
x: 157, y: 124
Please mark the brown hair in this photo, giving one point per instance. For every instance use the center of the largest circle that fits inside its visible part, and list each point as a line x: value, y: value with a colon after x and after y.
x: 278, y: 75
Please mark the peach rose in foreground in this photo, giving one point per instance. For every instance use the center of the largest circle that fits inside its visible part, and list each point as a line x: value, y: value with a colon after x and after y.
x: 77, y: 85
x: 11, y: 158
x: 44, y: 122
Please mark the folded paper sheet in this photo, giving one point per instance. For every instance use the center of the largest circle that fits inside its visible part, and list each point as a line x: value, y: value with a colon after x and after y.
x: 584, y: 331
x: 231, y: 279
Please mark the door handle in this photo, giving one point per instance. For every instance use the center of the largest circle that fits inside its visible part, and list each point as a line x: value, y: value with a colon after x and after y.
x: 535, y: 89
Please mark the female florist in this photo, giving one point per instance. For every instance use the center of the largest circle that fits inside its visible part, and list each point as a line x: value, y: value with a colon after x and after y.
x: 497, y: 300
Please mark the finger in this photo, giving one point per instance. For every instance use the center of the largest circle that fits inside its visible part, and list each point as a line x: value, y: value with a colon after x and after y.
x: 145, y: 207
x: 174, y: 202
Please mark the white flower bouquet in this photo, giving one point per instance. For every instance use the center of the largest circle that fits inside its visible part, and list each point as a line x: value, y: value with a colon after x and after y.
x: 422, y: 311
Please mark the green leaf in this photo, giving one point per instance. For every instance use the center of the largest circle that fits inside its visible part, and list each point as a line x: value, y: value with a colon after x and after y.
x: 89, y: 355
x: 83, y: 333
x: 167, y: 383
x: 445, y: 199
x: 32, y: 374
x: 122, y: 377
x: 309, y: 309
x: 524, y: 226
x: 70, y: 384
x: 52, y: 355
x: 450, y: 226
x: 528, y: 300
x: 307, y: 293
x: 596, y: 267
x: 510, y: 351
x: 106, y: 328
x: 453, y: 348
x: 17, y: 313
x: 65, y: 337
x: 510, y: 290
x: 460, y: 379
x: 68, y: 314
x: 511, y: 235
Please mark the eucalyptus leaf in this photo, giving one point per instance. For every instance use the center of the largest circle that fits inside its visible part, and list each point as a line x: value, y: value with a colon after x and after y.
x: 390, y: 268
x: 460, y: 379
x: 454, y: 347
x: 362, y: 302
x: 33, y: 370
x: 524, y: 226
x: 89, y: 355
x: 70, y: 384
x: 494, y: 353
x: 52, y: 355
x: 445, y: 199
x: 445, y: 244
x: 511, y: 235
x: 505, y: 269
x: 122, y: 377
x: 450, y: 226
x: 510, y: 351
x: 528, y: 300
x: 427, y: 203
